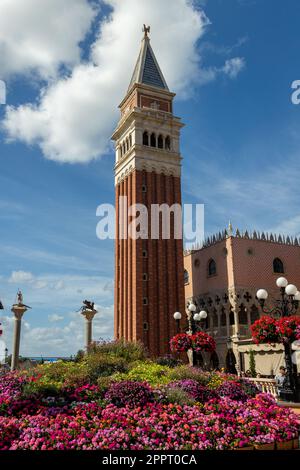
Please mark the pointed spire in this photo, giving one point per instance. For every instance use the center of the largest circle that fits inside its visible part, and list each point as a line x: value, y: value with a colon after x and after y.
x: 230, y: 228
x: 147, y: 70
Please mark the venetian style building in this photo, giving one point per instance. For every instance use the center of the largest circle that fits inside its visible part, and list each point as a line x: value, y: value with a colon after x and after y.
x: 223, y: 277
x: 149, y: 284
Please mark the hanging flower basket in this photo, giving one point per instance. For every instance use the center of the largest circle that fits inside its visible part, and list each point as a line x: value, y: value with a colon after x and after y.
x: 265, y: 330
x: 181, y: 342
x: 271, y: 330
x: 198, y: 342
x: 203, y: 342
x: 288, y: 328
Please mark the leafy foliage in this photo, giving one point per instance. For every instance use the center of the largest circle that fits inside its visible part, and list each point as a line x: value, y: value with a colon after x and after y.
x: 150, y: 372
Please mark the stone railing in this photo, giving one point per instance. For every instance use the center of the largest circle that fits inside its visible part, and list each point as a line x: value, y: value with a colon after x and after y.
x: 266, y: 386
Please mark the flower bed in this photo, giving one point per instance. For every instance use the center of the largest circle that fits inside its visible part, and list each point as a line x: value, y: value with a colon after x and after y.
x: 133, y: 415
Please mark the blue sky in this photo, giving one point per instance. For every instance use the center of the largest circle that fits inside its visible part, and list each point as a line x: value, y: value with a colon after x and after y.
x: 231, y: 62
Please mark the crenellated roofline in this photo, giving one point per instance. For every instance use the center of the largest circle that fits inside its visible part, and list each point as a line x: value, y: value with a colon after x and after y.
x: 247, y: 235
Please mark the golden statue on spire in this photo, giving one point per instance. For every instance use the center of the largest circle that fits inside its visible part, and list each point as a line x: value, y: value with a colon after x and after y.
x: 146, y: 30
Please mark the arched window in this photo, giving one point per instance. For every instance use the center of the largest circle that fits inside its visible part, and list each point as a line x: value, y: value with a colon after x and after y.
x: 223, y: 318
x: 130, y: 140
x: 160, y: 142
x: 124, y: 148
x: 243, y: 318
x: 278, y: 266
x: 168, y: 143
x: 231, y: 318
x: 212, y: 267
x: 186, y: 276
x: 153, y: 140
x: 214, y: 319
x: 127, y: 145
x: 121, y: 150
x: 254, y: 314
x: 145, y: 138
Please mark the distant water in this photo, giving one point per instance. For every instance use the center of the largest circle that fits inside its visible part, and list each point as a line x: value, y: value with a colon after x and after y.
x: 47, y: 359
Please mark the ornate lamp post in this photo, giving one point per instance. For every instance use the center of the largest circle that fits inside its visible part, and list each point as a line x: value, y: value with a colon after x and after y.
x: 18, y: 310
x: 88, y: 311
x: 177, y: 318
x: 285, y: 306
x: 192, y: 320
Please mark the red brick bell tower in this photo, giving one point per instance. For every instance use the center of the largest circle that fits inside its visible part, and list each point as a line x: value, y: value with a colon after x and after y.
x: 149, y: 285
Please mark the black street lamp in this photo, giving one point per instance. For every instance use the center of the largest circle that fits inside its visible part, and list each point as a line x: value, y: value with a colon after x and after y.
x: 285, y: 306
x: 193, y: 318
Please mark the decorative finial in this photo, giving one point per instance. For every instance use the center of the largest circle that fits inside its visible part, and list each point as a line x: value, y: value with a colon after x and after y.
x: 146, y: 30
x: 230, y: 228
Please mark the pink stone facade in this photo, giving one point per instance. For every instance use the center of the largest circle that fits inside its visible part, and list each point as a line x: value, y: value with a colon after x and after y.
x: 243, y: 265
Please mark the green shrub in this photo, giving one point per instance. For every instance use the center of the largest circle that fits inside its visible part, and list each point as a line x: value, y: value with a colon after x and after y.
x: 129, y: 351
x: 42, y: 390
x: 104, y: 383
x: 65, y: 373
x: 103, y: 365
x: 186, y: 372
x: 178, y: 396
x: 79, y: 356
x: 148, y: 371
x: 169, y: 361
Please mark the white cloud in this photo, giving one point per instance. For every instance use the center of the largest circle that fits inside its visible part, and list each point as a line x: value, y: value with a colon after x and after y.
x: 39, y: 36
x: 21, y: 277
x: 55, y: 318
x: 74, y: 116
x: 234, y: 66
x: 60, y: 285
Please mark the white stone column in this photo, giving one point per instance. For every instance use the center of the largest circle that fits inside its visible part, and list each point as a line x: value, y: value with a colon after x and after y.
x: 236, y: 321
x: 18, y: 311
x: 88, y: 315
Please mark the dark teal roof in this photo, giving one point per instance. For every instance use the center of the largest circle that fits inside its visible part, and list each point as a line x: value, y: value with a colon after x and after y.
x: 147, y: 70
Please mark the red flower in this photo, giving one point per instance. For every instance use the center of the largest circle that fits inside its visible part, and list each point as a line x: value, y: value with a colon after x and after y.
x: 181, y: 342
x: 203, y: 342
x: 265, y: 330
x: 288, y: 328
x: 270, y: 330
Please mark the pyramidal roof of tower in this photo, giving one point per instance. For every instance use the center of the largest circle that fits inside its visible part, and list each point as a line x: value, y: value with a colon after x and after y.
x: 147, y: 70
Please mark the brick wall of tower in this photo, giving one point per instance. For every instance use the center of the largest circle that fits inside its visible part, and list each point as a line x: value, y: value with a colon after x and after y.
x: 163, y: 266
